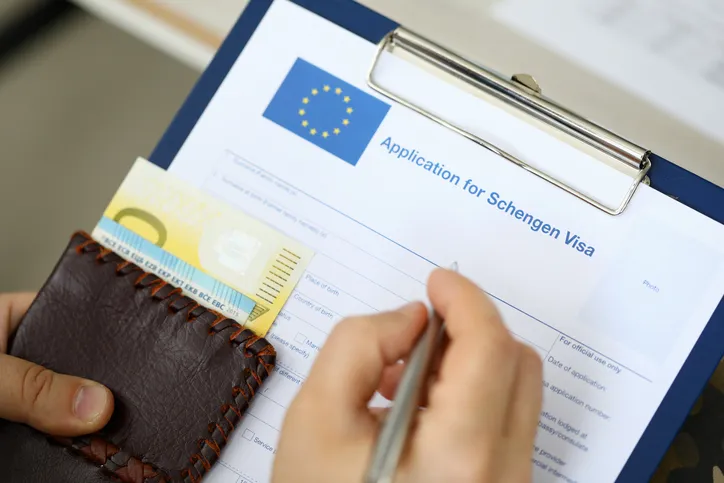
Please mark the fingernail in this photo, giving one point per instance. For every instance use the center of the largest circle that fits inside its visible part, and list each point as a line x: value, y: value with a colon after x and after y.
x: 90, y: 402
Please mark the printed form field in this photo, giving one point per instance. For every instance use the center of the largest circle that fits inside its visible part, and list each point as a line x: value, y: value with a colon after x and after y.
x: 342, y: 279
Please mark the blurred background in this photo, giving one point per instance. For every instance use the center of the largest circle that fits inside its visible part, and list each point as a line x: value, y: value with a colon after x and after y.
x: 88, y: 85
x: 79, y: 100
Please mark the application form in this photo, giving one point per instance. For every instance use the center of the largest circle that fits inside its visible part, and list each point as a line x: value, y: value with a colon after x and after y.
x: 382, y: 196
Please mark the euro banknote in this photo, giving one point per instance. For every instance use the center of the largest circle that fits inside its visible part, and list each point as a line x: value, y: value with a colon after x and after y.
x: 210, y: 235
x: 196, y: 284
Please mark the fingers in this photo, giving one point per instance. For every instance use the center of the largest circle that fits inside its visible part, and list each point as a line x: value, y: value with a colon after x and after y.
x: 464, y: 306
x: 12, y: 309
x: 524, y: 411
x: 476, y: 377
x: 391, y: 376
x: 53, y: 403
x: 349, y: 367
x: 523, y: 414
x: 56, y: 404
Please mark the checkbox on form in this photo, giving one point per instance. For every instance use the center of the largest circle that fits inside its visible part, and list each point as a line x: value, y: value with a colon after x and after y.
x: 248, y: 434
x: 300, y: 338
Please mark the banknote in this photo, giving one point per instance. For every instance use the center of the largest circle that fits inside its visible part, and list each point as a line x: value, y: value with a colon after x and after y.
x: 210, y: 235
x: 196, y: 284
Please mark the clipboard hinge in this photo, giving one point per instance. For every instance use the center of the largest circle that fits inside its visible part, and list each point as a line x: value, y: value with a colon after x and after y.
x: 523, y: 92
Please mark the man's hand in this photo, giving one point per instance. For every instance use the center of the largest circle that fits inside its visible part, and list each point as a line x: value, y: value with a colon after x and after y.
x: 481, y: 410
x: 53, y: 403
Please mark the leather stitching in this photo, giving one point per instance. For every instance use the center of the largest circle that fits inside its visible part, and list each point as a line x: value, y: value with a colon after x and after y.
x: 133, y: 469
x: 108, y: 456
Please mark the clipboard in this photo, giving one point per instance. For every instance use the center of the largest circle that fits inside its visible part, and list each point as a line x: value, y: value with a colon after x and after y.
x: 520, y: 92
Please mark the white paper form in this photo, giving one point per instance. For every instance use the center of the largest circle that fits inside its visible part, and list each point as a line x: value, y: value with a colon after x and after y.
x: 612, y: 304
x: 668, y: 52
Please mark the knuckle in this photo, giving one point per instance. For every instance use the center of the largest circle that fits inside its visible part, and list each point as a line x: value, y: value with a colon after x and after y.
x: 37, y: 384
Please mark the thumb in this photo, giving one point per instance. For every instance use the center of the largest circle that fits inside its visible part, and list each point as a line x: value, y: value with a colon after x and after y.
x: 350, y: 366
x: 55, y: 404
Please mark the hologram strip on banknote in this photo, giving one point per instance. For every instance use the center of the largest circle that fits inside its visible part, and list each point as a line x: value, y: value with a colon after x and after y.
x: 196, y: 284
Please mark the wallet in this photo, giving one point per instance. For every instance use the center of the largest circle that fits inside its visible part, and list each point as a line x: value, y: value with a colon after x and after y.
x: 182, y: 375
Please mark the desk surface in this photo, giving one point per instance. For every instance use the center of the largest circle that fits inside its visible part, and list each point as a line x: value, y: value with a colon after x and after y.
x: 192, y: 30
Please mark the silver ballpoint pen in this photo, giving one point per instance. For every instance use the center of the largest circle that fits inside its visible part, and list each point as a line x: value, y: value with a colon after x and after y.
x: 396, y: 426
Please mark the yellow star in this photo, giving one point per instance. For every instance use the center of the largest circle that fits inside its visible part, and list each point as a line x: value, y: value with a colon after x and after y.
x: 305, y: 123
x: 315, y: 92
x: 345, y: 122
x: 326, y: 88
x: 302, y: 112
x: 305, y: 100
x: 347, y: 99
x: 338, y: 91
x: 350, y: 110
x: 325, y: 134
x: 336, y: 130
x: 312, y: 131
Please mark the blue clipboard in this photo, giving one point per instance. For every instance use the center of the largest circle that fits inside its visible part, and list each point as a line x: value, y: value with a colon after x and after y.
x: 667, y: 178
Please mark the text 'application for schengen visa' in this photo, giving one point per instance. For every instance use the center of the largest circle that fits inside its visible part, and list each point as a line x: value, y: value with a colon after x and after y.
x: 342, y: 119
x: 326, y: 111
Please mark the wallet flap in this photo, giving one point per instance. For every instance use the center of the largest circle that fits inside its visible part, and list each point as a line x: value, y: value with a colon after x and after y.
x: 182, y: 375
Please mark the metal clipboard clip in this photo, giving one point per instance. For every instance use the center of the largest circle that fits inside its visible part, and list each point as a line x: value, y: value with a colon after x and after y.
x: 523, y: 93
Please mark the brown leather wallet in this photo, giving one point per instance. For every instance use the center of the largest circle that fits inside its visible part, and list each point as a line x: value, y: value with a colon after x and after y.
x: 182, y: 375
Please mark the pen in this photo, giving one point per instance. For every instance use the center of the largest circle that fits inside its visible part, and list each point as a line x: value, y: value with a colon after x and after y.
x: 396, y: 426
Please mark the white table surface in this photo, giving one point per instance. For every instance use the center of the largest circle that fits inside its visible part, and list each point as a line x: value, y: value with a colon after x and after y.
x: 191, y: 30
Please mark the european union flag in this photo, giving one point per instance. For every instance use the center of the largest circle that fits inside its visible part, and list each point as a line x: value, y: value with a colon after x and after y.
x: 326, y: 111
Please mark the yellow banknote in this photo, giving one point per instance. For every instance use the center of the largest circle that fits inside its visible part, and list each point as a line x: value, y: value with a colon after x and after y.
x: 234, y: 248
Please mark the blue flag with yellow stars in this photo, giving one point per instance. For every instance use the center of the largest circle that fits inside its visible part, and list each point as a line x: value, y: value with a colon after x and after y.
x: 326, y: 111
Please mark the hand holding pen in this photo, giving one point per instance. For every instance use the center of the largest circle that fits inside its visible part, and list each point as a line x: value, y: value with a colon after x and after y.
x: 481, y: 397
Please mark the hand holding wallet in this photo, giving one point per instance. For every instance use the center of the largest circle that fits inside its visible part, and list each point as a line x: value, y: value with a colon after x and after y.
x: 53, y: 403
x: 182, y: 376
